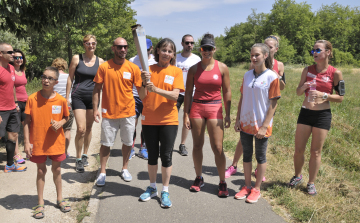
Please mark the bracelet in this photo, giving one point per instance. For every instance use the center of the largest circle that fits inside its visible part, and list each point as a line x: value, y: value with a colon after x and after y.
x: 142, y: 84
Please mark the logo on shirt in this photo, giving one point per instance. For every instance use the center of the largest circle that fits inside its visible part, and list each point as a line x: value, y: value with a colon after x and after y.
x: 104, y: 110
x: 56, y: 109
x: 13, y: 77
x: 311, y: 75
x: 263, y: 84
x: 169, y: 79
x: 127, y: 75
x: 325, y: 79
x: 216, y: 76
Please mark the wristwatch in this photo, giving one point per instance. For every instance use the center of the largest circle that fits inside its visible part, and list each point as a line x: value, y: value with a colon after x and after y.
x: 325, y: 96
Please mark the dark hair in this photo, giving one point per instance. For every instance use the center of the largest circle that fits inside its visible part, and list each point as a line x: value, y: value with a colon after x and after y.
x: 187, y: 35
x: 53, y: 69
x: 163, y: 43
x: 23, y: 66
x: 328, y: 46
x: 265, y: 50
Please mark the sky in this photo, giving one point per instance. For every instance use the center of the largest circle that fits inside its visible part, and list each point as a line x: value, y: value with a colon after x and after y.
x: 175, y: 18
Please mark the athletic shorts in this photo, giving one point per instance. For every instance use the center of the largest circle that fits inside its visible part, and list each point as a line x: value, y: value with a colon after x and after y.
x: 85, y: 102
x: 21, y: 114
x: 68, y: 124
x: 42, y: 159
x: 110, y: 127
x: 10, y: 122
x: 319, y: 119
x: 138, y: 106
x: 206, y: 109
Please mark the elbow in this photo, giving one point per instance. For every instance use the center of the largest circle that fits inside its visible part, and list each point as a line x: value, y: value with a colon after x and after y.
x: 341, y: 99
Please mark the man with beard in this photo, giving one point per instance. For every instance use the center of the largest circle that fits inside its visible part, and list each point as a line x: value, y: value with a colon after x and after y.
x: 116, y: 78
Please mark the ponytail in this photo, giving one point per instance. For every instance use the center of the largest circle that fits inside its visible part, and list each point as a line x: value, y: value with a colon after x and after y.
x: 265, y: 50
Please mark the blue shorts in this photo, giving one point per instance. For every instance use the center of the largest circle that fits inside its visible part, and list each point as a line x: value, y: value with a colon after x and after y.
x: 138, y: 106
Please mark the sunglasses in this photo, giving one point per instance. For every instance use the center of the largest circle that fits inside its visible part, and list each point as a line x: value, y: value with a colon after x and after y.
x: 187, y: 43
x: 119, y: 47
x: 43, y: 77
x: 18, y: 58
x: 206, y: 48
x: 318, y: 50
x: 8, y: 52
x: 90, y: 43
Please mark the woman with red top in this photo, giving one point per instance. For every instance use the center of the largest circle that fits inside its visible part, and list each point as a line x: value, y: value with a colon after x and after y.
x: 315, y: 114
x: 21, y: 95
x: 209, y: 77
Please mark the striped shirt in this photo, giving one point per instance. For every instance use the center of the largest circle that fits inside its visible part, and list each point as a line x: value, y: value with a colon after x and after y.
x: 60, y: 88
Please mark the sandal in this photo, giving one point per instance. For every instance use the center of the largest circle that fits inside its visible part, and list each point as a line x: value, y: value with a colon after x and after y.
x: 64, y: 206
x: 35, y: 212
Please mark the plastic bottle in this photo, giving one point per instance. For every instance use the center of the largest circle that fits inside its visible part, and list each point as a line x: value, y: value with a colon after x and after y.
x: 312, y: 88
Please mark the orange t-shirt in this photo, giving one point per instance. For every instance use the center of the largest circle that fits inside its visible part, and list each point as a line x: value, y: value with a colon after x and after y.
x: 117, y: 97
x: 44, y: 139
x: 159, y: 110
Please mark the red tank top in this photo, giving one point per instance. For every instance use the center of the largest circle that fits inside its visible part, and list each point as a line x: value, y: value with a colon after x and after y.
x: 324, y: 81
x: 208, y: 83
x: 276, y: 67
x: 20, y: 82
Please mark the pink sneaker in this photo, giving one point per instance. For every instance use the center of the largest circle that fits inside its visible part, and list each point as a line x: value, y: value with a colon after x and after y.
x: 230, y: 171
x: 263, y: 180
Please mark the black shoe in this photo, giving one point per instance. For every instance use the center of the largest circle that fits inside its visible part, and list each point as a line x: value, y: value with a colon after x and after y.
x: 84, y: 160
x: 79, y: 166
x: 182, y: 150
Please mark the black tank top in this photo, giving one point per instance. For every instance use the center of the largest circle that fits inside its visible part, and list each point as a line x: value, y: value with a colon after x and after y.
x: 84, y: 77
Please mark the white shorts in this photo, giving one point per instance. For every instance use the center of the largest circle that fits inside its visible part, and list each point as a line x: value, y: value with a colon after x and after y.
x: 110, y: 127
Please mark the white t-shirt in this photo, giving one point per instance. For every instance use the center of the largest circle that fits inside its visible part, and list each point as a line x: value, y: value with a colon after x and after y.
x: 60, y: 87
x: 136, y: 60
x: 184, y: 63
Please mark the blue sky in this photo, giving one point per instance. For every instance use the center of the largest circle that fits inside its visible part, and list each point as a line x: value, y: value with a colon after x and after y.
x: 174, y: 18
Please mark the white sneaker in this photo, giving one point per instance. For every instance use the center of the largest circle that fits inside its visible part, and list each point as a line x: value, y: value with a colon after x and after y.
x: 126, y: 175
x: 100, y: 181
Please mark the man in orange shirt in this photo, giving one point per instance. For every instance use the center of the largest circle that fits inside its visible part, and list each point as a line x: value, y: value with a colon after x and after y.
x: 46, y: 112
x: 116, y: 78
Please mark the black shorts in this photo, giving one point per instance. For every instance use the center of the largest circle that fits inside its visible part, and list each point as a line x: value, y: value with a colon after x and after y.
x: 138, y: 106
x: 319, y: 119
x: 68, y: 124
x: 83, y: 102
x: 21, y: 114
x: 180, y: 101
x: 10, y: 122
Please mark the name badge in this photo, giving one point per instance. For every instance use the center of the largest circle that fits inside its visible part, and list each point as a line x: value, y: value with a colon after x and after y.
x: 143, y: 117
x: 127, y: 75
x: 311, y: 75
x: 104, y: 110
x: 169, y: 79
x: 56, y: 109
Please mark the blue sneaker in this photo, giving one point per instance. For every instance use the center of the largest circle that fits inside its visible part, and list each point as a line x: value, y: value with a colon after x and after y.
x: 14, y: 168
x: 165, y: 200
x: 100, y: 181
x: 143, y: 153
x: 132, y: 154
x: 148, y: 194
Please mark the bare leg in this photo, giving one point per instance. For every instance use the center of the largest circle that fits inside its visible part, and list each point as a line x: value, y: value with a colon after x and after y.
x: 126, y: 154
x: 184, y: 134
x: 40, y: 181
x: 80, y: 118
x: 301, y: 137
x: 261, y: 168
x: 67, y: 139
x: 317, y: 142
x: 88, y: 132
x: 166, y: 173
x: 152, y: 169
x: 247, y: 173
x: 238, y: 153
x: 198, y: 131
x: 104, y: 156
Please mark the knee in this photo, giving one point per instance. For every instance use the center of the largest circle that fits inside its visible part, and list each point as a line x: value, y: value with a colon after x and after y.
x: 41, y: 171
x: 13, y: 136
x: 299, y: 151
x: 247, y: 157
x: 315, y: 153
x: 81, y: 130
x: 166, y: 161
x: 152, y: 162
x: 218, y: 151
x: 56, y: 170
x: 261, y: 158
x: 198, y: 145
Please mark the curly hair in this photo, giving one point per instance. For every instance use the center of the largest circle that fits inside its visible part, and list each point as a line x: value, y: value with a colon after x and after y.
x: 60, y: 64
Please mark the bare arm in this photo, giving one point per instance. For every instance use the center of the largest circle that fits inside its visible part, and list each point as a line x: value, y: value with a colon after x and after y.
x: 101, y: 61
x: 188, y: 95
x: 237, y: 126
x: 15, y: 99
x: 269, y: 115
x: 335, y: 97
x: 281, y: 73
x: 226, y: 89
x: 27, y: 145
x: 74, y: 63
x: 95, y: 101
x: 303, y: 85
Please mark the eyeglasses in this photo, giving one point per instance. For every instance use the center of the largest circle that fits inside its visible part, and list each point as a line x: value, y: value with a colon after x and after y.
x: 119, y: 47
x: 318, y: 50
x: 187, y: 43
x: 43, y: 77
x: 18, y: 58
x: 90, y: 43
x: 206, y: 48
x: 8, y: 52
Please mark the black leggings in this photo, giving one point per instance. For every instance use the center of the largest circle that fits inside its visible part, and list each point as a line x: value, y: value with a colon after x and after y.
x: 163, y: 134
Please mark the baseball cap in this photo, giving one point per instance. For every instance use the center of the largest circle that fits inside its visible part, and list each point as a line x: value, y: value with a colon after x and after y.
x: 148, y: 43
x: 207, y: 42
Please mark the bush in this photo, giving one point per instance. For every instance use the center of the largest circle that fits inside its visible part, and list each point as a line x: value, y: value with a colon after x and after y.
x: 342, y: 58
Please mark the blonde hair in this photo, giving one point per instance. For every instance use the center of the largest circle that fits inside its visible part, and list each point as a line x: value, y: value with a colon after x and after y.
x: 88, y: 37
x: 60, y: 64
x: 273, y: 38
x: 328, y: 46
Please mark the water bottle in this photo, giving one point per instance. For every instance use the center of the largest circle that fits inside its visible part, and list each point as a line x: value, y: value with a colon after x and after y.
x: 312, y: 88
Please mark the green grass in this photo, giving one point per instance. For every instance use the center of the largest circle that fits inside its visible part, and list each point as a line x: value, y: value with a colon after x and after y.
x: 82, y: 207
x: 338, y: 181
x: 33, y: 86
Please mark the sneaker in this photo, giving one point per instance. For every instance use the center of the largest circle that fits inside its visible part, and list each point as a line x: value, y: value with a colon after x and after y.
x: 243, y: 193
x: 79, y: 166
x: 18, y: 159
x: 143, y: 153
x: 132, y: 154
x: 254, y: 196
x: 198, y: 184
x: 165, y: 200
x: 67, y: 155
x: 263, y: 180
x: 311, y: 189
x: 182, y: 150
x: 100, y: 181
x: 148, y: 194
x: 295, y: 181
x: 14, y: 168
x: 230, y: 171
x: 126, y: 175
x: 84, y: 160
x: 223, y: 191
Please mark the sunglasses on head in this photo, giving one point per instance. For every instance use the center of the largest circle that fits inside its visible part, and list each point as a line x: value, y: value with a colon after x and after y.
x: 18, y: 58
x: 187, y: 43
x: 206, y: 48
x: 318, y: 50
x: 119, y: 47
x: 8, y: 52
x: 90, y: 43
x: 43, y: 77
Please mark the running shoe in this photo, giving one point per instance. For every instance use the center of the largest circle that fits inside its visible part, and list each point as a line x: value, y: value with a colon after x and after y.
x: 182, y: 150
x: 14, y: 168
x: 132, y: 154
x: 230, y: 171
x: 84, y: 160
x: 263, y: 180
x: 165, y: 199
x: 223, y: 191
x: 125, y: 175
x: 148, y: 194
x: 254, y: 196
x: 79, y: 166
x: 311, y: 189
x: 295, y: 181
x: 243, y: 193
x: 100, y: 181
x: 143, y: 153
x: 18, y: 159
x: 198, y: 184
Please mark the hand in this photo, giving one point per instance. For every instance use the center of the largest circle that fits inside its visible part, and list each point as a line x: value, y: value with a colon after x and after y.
x: 0, y: 119
x: 261, y: 133
x: 55, y: 125
x: 145, y: 76
x: 68, y: 102
x: 227, y: 121
x: 17, y: 108
x: 28, y: 149
x: 237, y: 126
x: 150, y: 87
x: 187, y: 123
x: 97, y: 116
x: 306, y: 85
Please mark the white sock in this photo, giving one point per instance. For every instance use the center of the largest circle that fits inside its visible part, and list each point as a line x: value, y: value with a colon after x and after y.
x: 166, y: 188
x: 153, y: 185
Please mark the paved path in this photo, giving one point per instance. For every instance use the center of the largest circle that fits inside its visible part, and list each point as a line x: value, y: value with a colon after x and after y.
x: 118, y: 200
